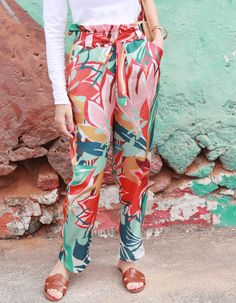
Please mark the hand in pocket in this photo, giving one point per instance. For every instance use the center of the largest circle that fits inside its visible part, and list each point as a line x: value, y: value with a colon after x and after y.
x: 158, y: 40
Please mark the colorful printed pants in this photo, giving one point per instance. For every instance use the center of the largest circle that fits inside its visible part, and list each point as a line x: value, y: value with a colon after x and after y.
x: 112, y: 82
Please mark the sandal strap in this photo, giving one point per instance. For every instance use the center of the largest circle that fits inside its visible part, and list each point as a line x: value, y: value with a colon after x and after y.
x: 133, y: 275
x: 56, y: 281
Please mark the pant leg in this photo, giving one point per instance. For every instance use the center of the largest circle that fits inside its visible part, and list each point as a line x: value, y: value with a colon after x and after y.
x: 133, y: 142
x: 90, y: 85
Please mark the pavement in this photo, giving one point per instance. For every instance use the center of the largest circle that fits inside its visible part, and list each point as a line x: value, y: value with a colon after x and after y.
x: 182, y: 264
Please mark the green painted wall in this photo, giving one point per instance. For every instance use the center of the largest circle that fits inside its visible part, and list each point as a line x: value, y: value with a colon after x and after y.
x: 197, y: 100
x: 197, y: 104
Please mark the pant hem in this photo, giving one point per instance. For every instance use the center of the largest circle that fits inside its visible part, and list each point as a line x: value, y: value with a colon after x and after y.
x: 74, y: 270
x: 132, y: 259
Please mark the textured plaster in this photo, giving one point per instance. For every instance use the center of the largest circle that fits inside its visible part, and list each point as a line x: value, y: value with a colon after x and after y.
x: 197, y: 95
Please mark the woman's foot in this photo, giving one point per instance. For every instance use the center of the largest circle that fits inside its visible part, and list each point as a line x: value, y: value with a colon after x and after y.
x: 124, y: 265
x: 61, y: 269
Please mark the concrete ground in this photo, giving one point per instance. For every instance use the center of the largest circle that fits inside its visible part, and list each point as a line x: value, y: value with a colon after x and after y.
x: 181, y: 265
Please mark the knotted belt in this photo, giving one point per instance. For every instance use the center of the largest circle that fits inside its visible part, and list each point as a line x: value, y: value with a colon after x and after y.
x: 109, y: 36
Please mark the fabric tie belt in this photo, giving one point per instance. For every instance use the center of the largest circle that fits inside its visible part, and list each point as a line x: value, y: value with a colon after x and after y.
x: 109, y: 36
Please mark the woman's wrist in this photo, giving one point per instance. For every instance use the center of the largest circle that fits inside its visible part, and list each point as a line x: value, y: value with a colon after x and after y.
x: 158, y: 30
x: 156, y: 33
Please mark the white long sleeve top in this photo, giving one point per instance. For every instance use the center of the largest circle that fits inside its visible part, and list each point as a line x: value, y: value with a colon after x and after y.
x: 83, y: 12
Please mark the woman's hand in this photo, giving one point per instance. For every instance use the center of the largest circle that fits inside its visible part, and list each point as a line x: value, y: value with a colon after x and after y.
x: 64, y: 119
x: 158, y: 39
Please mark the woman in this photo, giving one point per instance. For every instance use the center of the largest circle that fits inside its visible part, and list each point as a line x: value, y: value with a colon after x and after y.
x: 111, y: 87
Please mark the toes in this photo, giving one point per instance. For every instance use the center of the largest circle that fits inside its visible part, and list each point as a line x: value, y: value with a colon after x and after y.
x: 131, y: 285
x: 134, y: 285
x: 55, y: 293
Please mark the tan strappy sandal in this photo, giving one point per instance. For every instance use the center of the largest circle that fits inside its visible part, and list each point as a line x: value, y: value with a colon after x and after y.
x: 133, y: 275
x: 58, y: 282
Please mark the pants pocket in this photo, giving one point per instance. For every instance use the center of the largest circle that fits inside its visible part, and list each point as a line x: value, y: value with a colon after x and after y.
x: 155, y: 50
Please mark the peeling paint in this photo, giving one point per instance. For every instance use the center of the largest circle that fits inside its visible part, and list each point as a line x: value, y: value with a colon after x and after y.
x: 204, y: 171
x: 228, y: 181
x: 201, y: 188
x: 223, y: 209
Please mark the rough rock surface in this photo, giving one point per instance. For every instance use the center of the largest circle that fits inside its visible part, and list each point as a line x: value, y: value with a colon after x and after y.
x: 47, y: 177
x: 26, y: 110
x: 59, y: 158
x: 24, y: 206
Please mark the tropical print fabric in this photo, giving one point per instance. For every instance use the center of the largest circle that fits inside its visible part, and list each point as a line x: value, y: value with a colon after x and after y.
x: 112, y: 83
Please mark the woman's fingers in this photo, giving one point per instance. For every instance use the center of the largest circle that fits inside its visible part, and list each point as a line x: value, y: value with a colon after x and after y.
x: 69, y: 119
x: 63, y: 130
x: 64, y: 117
